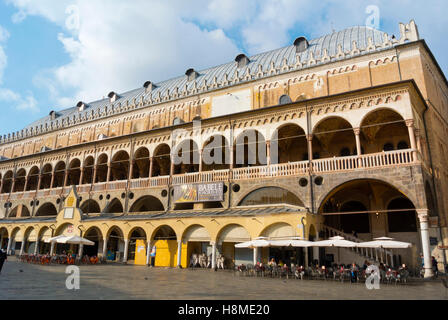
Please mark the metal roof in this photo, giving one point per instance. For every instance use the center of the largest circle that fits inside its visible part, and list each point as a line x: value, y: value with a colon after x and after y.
x: 226, y: 72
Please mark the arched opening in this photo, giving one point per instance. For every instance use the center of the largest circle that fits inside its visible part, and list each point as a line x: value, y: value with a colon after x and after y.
x: 59, y: 175
x: 115, y: 244
x: 94, y: 235
x: 66, y: 230
x: 102, y: 168
x: 250, y: 149
x: 19, y: 211
x: 367, y: 209
x: 7, y: 182
x: 74, y: 172
x: 197, y: 240
x: 147, y: 204
x: 89, y: 164
x: 162, y: 161
x: 120, y: 166
x: 331, y: 136
x: 284, y: 99
x: 47, y: 210
x: 137, y: 245
x: 165, y: 242
x: 216, y: 154
x: 16, y: 241
x: 30, y: 241
x: 289, y: 144
x: 33, y: 179
x: 90, y: 207
x: 288, y: 255
x: 382, y: 130
x: 19, y: 185
x: 114, y: 206
x: 186, y: 157
x: 401, y: 216
x: 142, y: 162
x: 47, y: 173
x: 228, y: 237
x: 44, y: 235
x: 269, y: 196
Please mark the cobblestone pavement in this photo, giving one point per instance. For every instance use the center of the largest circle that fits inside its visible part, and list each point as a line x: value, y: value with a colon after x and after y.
x: 24, y: 281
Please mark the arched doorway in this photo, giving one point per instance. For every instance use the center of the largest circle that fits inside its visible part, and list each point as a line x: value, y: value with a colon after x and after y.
x: 197, y: 239
x: 16, y: 241
x: 216, y: 154
x: 30, y: 240
x: 288, y: 255
x: 186, y: 157
x: 115, y: 244
x: 4, y: 237
x: 44, y: 235
x: 333, y: 137
x: 120, y: 166
x: 289, y: 144
x: 162, y: 161
x: 93, y: 234
x: 228, y: 237
x: 165, y: 241
x: 142, y: 164
x: 250, y: 149
x: 137, y: 246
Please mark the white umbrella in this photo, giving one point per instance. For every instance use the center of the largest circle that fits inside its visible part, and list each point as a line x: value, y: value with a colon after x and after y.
x: 291, y: 243
x: 338, y: 242
x: 54, y: 239
x: 257, y: 243
x: 76, y: 240
x: 385, y: 243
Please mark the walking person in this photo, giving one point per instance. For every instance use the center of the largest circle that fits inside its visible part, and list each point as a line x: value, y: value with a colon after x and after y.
x: 3, y: 258
x: 153, y: 256
x: 435, y: 267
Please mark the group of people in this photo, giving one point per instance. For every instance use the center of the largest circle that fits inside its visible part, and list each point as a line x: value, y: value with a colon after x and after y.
x: 204, y: 261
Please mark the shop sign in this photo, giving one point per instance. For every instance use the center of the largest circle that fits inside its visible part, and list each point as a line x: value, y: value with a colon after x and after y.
x: 203, y: 192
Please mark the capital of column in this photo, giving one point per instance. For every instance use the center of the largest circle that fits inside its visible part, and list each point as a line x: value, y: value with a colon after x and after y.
x: 357, y: 131
x: 309, y: 137
x: 423, y: 215
x: 410, y: 123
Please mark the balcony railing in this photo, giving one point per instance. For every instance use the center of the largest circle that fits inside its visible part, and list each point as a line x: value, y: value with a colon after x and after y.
x: 329, y: 165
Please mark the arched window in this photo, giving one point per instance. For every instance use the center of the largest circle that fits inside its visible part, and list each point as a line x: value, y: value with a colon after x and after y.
x: 345, y: 152
x: 285, y: 99
x: 388, y: 147
x: 402, y: 145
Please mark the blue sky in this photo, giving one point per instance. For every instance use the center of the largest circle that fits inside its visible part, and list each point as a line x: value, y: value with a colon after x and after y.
x: 56, y: 53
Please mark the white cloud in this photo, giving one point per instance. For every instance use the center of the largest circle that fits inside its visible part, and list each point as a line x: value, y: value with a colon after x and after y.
x: 119, y: 45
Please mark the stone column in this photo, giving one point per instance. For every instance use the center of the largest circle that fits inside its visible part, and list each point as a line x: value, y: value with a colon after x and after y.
x: 95, y: 167
x: 13, y: 185
x: 105, y: 248
x: 52, y: 178
x: 52, y: 248
x: 22, y: 247
x: 126, y: 248
x: 255, y: 255
x: 309, y: 138
x: 316, y: 250
x: 213, y: 255
x: 131, y: 169
x: 26, y: 184
x: 108, y: 171
x: 36, y: 247
x: 179, y: 253
x: 148, y: 253
x: 8, y: 249
x: 424, y: 231
x: 151, y: 166
x: 268, y: 152
x: 65, y: 177
x: 411, y: 129
x: 81, y: 177
x: 39, y: 182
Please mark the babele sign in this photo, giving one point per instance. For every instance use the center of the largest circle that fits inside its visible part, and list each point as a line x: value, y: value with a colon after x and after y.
x: 203, y: 192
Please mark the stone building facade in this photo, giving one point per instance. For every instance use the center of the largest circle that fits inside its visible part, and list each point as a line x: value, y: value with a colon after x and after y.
x: 340, y: 134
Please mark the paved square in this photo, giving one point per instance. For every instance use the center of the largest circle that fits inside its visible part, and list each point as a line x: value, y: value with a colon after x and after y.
x: 25, y: 281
